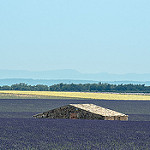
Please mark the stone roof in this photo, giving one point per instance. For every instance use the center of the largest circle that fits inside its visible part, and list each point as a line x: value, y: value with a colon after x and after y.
x: 98, y: 110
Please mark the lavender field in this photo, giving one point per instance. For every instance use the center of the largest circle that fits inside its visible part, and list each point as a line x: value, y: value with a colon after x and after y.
x: 26, y: 108
x: 19, y: 131
x: 60, y: 134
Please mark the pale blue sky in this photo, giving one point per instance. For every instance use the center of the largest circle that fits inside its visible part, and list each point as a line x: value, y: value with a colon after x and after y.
x: 86, y: 35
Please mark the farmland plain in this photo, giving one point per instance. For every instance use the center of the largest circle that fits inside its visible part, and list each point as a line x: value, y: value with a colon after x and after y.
x: 66, y: 134
x: 20, y: 131
x: 25, y: 108
x: 88, y: 95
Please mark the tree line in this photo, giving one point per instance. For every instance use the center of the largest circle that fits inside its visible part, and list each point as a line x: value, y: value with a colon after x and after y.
x: 100, y: 87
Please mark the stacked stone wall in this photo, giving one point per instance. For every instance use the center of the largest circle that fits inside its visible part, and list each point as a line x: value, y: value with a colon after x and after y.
x: 69, y: 112
x: 122, y: 118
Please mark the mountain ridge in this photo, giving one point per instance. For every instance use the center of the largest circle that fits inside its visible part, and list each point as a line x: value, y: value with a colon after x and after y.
x: 71, y: 74
x: 10, y: 81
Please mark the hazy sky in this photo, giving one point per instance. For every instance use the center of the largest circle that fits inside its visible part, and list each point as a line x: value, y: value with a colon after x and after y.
x: 86, y: 35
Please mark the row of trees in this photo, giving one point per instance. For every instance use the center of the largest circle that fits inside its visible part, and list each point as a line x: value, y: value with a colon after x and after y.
x: 100, y: 87
x: 25, y: 87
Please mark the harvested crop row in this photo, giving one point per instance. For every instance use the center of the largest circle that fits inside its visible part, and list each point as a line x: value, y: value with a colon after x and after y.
x: 106, y: 96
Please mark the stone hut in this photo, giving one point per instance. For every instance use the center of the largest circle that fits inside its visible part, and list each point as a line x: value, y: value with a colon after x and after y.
x: 82, y: 111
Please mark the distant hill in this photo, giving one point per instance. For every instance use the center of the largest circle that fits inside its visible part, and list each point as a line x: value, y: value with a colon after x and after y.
x: 40, y: 81
x: 52, y: 82
x: 147, y: 83
x: 69, y: 74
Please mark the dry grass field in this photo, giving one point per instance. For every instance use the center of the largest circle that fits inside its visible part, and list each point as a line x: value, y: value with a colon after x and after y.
x: 84, y: 95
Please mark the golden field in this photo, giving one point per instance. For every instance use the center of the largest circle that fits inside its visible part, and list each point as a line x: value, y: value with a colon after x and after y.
x: 105, y: 96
